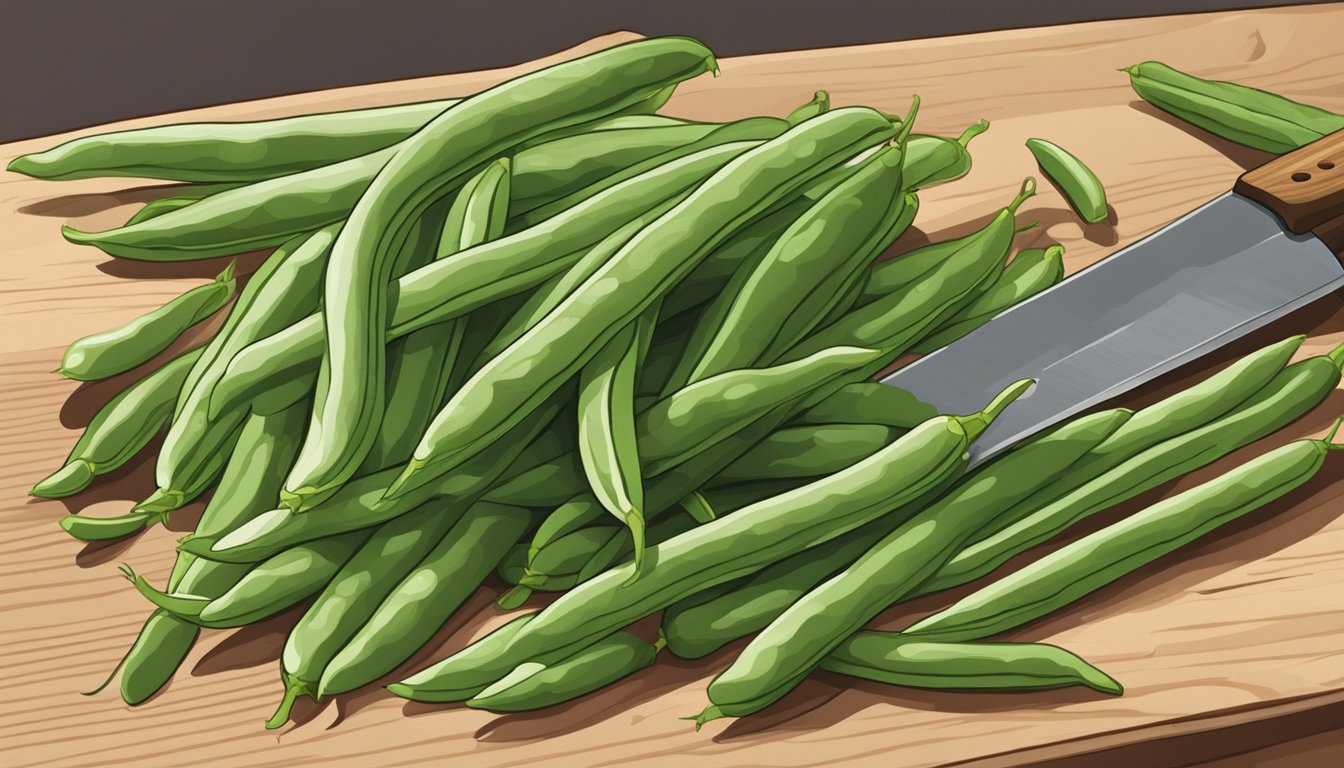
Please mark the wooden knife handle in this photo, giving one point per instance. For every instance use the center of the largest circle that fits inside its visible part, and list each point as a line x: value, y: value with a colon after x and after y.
x: 1304, y: 187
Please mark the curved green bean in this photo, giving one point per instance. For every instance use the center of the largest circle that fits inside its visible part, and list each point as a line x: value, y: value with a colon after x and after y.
x: 361, y: 503
x: 352, y: 596
x: 267, y: 588
x: 108, y: 353
x: 607, y: 447
x: 1081, y: 187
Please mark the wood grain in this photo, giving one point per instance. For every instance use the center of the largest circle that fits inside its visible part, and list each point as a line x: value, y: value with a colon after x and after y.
x: 1242, y: 628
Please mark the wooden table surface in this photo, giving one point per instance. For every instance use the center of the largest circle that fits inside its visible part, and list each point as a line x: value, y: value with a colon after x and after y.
x: 1232, y: 646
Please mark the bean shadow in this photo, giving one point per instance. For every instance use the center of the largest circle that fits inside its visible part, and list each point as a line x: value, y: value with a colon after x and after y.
x: 249, y: 646
x: 1246, y: 157
x: 203, y: 269
x: 87, y: 204
x: 97, y: 553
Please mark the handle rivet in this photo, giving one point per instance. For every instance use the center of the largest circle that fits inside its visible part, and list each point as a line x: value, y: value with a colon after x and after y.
x: 1301, y: 176
x: 1325, y: 165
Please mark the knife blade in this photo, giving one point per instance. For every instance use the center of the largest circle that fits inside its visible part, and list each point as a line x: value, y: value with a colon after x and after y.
x: 1209, y: 277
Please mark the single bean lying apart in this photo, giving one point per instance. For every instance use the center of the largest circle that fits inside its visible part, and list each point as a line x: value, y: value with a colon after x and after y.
x: 108, y: 353
x: 888, y: 657
x: 1250, y: 116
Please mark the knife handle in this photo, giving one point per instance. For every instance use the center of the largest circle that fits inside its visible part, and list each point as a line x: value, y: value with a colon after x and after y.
x: 1304, y: 187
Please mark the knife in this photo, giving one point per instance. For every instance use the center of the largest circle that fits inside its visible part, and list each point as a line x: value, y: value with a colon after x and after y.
x: 1251, y: 255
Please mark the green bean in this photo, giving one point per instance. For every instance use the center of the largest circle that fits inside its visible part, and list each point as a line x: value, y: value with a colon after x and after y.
x: 819, y: 105
x: 720, y: 500
x: 708, y: 278
x: 550, y: 294
x: 350, y: 397
x: 610, y: 456
x: 889, y: 277
x: 119, y: 429
x: 868, y: 403
x: 727, y: 548
x: 267, y: 588
x: 1239, y: 113
x: 644, y: 268
x: 1090, y: 563
x: 807, y: 451
x: 1079, y: 184
x: 477, y: 277
x: 108, y: 353
x: 1030, y: 272
x: 430, y: 354
x: 706, y: 412
x: 755, y: 129
x: 184, y: 196
x: 669, y: 487
x: 285, y: 289
x: 797, y: 281
x: 245, y: 151
x: 887, y: 657
x: 745, y: 250
x: 571, y: 163
x: 534, y: 686
x: 896, y: 321
x: 158, y: 650
x: 932, y: 160
x: 426, y: 597
x: 353, y: 595
x: 361, y: 503
x: 1293, y: 392
x: 797, y: 640
x: 483, y: 650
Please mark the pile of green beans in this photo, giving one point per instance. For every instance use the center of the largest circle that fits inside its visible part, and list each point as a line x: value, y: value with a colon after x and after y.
x: 621, y: 363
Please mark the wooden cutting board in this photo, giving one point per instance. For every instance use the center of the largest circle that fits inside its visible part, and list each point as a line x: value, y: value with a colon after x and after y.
x: 1231, y: 646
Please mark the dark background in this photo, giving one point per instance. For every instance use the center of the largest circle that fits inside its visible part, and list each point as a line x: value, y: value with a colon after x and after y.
x: 71, y: 63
